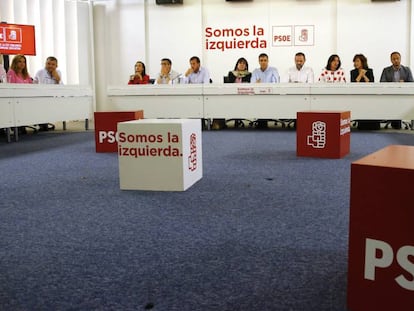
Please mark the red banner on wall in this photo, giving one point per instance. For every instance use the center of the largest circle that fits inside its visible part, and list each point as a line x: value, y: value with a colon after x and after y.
x: 17, y: 39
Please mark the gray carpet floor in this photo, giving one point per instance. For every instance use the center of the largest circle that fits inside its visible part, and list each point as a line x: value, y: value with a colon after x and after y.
x: 262, y: 230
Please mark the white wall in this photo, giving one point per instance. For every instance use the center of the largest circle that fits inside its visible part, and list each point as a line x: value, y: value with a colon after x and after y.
x: 142, y: 30
x: 375, y: 29
x: 105, y: 44
x: 266, y: 14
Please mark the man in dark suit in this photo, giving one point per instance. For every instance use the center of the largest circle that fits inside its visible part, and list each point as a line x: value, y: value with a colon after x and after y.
x: 396, y: 73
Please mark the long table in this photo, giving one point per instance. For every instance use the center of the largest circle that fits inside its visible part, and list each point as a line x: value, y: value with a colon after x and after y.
x: 22, y: 104
x: 383, y: 101
x: 33, y: 104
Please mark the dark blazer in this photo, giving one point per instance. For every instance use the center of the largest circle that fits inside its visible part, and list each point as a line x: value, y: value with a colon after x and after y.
x: 388, y: 74
x: 245, y: 79
x: 369, y: 74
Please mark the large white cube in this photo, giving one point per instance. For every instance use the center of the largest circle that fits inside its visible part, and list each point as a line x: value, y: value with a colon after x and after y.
x: 159, y: 154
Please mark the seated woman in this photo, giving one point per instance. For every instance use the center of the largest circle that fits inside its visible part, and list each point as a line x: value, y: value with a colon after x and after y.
x: 333, y: 73
x: 362, y: 73
x: 240, y: 74
x: 18, y: 71
x: 140, y: 77
x: 18, y: 74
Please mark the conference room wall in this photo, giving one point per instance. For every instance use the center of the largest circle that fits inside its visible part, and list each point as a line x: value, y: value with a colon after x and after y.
x: 127, y: 30
x: 149, y: 32
x: 63, y: 29
x: 268, y: 14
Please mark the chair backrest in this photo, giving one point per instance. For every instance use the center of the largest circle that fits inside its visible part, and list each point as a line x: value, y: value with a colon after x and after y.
x: 226, y: 79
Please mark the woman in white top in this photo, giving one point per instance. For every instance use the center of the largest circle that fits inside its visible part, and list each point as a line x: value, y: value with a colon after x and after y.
x: 333, y: 73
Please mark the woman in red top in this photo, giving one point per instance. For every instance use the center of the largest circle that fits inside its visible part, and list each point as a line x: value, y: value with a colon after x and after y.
x: 140, y: 77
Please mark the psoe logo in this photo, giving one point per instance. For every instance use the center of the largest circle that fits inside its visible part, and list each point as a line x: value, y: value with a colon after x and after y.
x: 380, y: 255
x: 192, y: 158
x: 318, y: 137
x: 304, y: 35
x: 107, y: 137
x: 13, y: 35
x: 282, y: 35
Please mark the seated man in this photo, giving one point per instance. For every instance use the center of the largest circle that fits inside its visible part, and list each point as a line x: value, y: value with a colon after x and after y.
x: 396, y: 73
x: 48, y: 75
x: 264, y: 74
x: 196, y: 74
x: 298, y: 74
x: 167, y: 75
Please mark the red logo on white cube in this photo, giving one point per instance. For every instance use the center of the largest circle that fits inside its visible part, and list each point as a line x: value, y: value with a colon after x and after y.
x: 192, y: 158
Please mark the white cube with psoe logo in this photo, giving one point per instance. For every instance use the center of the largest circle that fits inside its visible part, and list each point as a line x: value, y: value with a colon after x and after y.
x: 159, y: 154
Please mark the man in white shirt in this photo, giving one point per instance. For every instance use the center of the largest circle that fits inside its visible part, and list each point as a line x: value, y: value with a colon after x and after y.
x: 167, y: 75
x: 50, y: 74
x: 196, y: 74
x: 300, y: 73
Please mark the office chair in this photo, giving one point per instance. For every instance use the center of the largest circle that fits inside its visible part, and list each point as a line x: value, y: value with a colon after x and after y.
x: 399, y: 124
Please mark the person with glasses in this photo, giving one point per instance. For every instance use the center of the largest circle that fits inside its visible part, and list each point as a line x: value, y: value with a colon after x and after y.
x: 167, y: 75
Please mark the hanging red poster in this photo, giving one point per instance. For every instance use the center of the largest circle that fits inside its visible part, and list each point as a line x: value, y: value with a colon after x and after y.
x: 17, y: 39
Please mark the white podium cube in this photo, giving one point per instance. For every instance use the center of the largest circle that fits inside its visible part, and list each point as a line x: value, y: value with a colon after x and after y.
x: 159, y: 154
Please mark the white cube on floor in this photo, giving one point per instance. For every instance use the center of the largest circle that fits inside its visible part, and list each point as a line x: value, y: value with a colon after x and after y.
x: 159, y: 154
